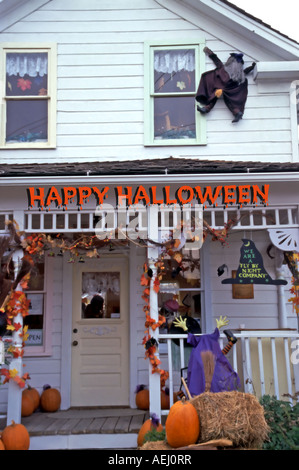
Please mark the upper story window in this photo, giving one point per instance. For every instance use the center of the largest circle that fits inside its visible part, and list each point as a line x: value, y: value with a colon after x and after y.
x: 29, y: 96
x: 171, y: 81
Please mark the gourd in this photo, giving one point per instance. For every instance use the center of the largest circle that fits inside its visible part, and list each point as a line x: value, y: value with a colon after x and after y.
x: 182, y: 425
x: 33, y: 393
x: 142, y: 397
x: 27, y: 405
x: 2, y: 447
x: 148, y: 425
x: 15, y: 437
x: 50, y: 399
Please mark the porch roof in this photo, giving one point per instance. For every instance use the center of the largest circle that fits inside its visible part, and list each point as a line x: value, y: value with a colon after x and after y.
x: 156, y: 166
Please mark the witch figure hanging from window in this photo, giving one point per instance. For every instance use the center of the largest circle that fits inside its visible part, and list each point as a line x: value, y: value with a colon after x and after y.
x: 209, y: 369
x: 227, y: 80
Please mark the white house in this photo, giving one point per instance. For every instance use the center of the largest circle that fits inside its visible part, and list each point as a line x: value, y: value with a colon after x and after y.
x: 98, y: 101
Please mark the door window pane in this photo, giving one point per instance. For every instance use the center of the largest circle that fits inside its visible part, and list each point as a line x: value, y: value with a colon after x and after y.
x: 100, y: 295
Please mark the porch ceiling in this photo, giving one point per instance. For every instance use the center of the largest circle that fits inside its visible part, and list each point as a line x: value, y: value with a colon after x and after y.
x: 156, y: 166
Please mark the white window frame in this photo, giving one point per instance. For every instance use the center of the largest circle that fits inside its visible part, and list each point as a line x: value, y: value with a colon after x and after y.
x: 149, y: 48
x: 51, y: 96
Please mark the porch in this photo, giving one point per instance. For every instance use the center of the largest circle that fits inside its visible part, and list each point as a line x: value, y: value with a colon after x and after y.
x: 88, y: 428
x: 265, y: 360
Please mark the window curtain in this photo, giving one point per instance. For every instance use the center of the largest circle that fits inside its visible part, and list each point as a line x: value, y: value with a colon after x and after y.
x: 174, y: 61
x: 27, y: 64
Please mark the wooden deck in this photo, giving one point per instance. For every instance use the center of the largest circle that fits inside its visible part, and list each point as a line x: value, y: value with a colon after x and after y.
x: 62, y: 427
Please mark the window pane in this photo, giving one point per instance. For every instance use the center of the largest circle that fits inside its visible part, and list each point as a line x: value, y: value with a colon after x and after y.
x: 27, y: 121
x: 37, y: 277
x: 26, y: 74
x: 35, y: 319
x: 174, y: 71
x: 174, y: 118
x: 100, y: 295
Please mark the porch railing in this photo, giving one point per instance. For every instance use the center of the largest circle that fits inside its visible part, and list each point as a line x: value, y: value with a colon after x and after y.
x: 267, y: 362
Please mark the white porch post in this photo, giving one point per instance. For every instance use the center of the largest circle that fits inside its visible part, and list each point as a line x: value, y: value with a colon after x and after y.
x: 14, y: 404
x: 282, y: 311
x: 153, y: 253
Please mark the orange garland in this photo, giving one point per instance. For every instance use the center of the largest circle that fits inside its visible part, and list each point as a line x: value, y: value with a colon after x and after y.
x: 149, y: 342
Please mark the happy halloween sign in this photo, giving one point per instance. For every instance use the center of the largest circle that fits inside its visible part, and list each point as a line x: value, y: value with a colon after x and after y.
x: 43, y: 198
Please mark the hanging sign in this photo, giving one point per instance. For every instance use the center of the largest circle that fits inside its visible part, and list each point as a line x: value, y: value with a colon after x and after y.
x: 251, y: 268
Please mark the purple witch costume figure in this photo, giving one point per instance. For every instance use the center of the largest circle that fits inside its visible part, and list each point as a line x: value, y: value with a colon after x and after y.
x: 208, y: 368
x: 227, y: 80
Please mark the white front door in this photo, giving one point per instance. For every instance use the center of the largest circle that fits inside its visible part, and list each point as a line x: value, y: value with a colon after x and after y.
x: 100, y: 334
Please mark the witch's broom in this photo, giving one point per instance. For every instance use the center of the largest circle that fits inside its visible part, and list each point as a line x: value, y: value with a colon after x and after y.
x: 208, y: 361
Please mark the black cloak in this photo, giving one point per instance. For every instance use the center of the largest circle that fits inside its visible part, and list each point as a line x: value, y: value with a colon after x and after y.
x: 234, y: 94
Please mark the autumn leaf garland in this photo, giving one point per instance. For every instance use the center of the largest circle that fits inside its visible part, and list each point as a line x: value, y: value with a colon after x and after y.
x: 149, y: 342
x: 13, y: 374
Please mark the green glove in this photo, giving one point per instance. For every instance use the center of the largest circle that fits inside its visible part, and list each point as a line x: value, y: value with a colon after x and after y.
x: 180, y: 323
x: 221, y: 322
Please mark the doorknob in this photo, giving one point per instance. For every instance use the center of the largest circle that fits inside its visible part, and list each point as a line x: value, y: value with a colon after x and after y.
x: 75, y: 343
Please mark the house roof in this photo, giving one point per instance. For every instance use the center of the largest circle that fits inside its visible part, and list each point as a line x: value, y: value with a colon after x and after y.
x: 167, y: 166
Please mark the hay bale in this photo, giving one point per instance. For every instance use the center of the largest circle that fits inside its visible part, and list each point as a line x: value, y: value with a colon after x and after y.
x: 234, y: 415
x: 155, y: 445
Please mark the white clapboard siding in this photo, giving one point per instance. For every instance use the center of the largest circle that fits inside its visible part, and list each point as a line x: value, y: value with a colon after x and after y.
x: 102, y: 5
x: 100, y: 26
x: 100, y: 128
x: 84, y: 60
x: 100, y: 15
x: 100, y: 108
x: 133, y: 152
x: 100, y: 84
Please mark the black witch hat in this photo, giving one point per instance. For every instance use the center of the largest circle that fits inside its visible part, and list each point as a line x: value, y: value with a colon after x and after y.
x: 251, y: 267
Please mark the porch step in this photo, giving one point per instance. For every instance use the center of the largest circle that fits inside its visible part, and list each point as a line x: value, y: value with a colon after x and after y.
x: 84, y: 442
x: 83, y: 428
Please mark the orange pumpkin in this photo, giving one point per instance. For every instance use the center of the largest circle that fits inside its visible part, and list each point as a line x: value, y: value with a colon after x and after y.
x: 33, y: 393
x: 147, y: 426
x: 182, y: 424
x: 15, y: 437
x: 50, y: 399
x: 165, y: 402
x: 142, y: 398
x: 27, y: 405
x: 2, y: 447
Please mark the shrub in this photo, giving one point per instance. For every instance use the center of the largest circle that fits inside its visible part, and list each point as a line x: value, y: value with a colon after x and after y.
x: 283, y: 420
x: 155, y: 435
